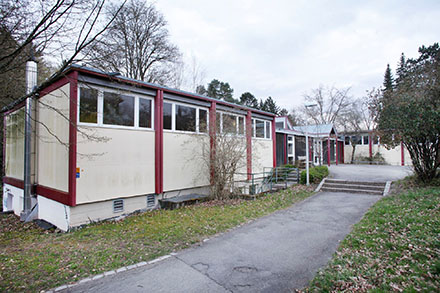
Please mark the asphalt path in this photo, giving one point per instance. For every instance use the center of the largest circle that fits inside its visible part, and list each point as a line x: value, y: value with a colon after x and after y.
x: 276, y: 253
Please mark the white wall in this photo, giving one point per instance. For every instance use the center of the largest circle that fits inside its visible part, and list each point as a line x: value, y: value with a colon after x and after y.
x: 123, y: 166
x: 183, y: 163
x: 14, y: 148
x: 12, y: 199
x: 262, y: 154
x: 391, y: 156
x: 53, y: 147
x: 54, y: 212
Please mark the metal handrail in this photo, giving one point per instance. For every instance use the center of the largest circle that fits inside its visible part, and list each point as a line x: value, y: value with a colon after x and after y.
x: 263, y: 181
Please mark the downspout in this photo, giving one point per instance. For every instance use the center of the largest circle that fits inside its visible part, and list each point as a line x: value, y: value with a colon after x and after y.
x: 31, y: 83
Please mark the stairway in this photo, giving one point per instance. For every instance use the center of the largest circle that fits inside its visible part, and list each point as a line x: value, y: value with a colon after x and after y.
x: 365, y: 187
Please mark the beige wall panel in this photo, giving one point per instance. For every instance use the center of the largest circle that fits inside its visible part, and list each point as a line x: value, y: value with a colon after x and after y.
x: 14, y: 149
x: 53, y: 155
x: 392, y: 156
x: 183, y: 165
x: 84, y: 213
x: 122, y: 166
x: 262, y: 154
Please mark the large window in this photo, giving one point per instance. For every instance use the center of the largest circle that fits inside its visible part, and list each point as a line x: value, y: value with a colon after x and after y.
x: 203, y: 120
x: 261, y: 128
x: 185, y: 118
x: 145, y: 113
x: 167, y: 116
x: 107, y: 107
x: 118, y: 109
x: 230, y: 123
x: 88, y: 110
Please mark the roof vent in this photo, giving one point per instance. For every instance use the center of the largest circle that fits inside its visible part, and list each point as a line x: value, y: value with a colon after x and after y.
x: 118, y: 205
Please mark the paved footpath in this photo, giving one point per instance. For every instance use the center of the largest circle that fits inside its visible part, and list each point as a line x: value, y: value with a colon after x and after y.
x: 276, y: 253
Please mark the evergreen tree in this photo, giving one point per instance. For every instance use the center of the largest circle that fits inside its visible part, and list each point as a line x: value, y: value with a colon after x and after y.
x: 401, y: 69
x: 388, y: 82
x: 220, y: 90
x: 271, y: 106
x: 201, y: 90
x: 247, y: 99
x: 262, y: 105
x: 283, y: 112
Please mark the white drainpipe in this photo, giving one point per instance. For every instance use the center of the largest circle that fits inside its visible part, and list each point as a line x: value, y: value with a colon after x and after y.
x: 31, y: 83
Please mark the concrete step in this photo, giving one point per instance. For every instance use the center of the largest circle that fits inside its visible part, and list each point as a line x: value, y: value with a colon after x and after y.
x: 348, y: 190
x: 354, y: 186
x: 369, y: 183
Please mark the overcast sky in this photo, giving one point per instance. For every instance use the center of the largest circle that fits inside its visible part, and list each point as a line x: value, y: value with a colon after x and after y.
x: 286, y: 48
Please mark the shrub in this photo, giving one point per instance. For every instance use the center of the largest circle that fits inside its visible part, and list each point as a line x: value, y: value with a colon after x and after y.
x: 316, y: 174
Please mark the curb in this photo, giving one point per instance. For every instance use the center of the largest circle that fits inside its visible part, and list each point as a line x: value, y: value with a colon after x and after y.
x: 109, y: 273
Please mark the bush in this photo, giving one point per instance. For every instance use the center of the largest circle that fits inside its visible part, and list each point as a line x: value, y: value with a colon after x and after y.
x: 290, y: 166
x: 316, y: 174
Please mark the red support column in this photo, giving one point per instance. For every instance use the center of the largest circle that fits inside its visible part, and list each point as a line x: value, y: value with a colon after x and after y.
x: 310, y: 150
x: 336, y: 151
x: 73, y: 109
x: 343, y: 152
x: 274, y: 143
x: 402, y: 153
x: 249, y: 143
x: 158, y: 128
x: 212, y: 135
x: 285, y: 148
x: 328, y: 151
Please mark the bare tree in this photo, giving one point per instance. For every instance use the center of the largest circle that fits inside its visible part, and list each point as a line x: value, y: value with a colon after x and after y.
x: 360, y: 117
x: 196, y: 74
x: 137, y: 44
x: 332, y: 104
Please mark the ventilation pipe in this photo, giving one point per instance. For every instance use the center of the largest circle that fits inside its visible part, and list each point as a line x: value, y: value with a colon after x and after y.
x: 31, y: 83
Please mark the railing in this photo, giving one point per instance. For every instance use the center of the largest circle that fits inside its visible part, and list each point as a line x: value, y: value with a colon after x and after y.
x: 268, y: 180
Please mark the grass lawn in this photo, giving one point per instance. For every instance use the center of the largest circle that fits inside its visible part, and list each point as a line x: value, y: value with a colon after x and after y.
x: 32, y: 259
x: 395, y: 247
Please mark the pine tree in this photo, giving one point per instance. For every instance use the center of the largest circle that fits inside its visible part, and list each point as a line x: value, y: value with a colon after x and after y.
x: 249, y: 100
x: 271, y: 106
x: 401, y: 69
x: 388, y: 82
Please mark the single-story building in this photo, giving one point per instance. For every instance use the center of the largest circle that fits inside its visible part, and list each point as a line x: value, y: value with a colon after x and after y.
x: 324, y: 145
x: 368, y: 147
x: 105, y: 145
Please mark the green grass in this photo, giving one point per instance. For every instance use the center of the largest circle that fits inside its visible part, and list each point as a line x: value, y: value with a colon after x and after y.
x: 32, y: 259
x: 396, y: 246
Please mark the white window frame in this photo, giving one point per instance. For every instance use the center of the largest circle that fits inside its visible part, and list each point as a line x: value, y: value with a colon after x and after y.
x: 173, y: 118
x: 236, y: 122
x: 254, y: 125
x: 100, y: 108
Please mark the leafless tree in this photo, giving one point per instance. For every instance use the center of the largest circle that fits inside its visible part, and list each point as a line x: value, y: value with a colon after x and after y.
x: 196, y: 74
x: 331, y: 105
x: 136, y: 44
x: 360, y: 117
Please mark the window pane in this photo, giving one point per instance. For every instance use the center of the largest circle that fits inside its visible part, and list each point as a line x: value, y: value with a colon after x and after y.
x: 88, y: 107
x: 356, y: 139
x: 279, y: 125
x: 218, y: 118
x: 260, y: 128
x: 203, y: 121
x: 347, y: 140
x: 241, y: 125
x: 167, y: 109
x: 253, y: 127
x: 366, y: 139
x: 118, y: 109
x: 144, y: 113
x: 185, y: 118
x: 229, y: 124
x: 268, y: 129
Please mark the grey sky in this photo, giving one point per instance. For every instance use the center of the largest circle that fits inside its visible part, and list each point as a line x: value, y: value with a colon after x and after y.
x: 284, y: 49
